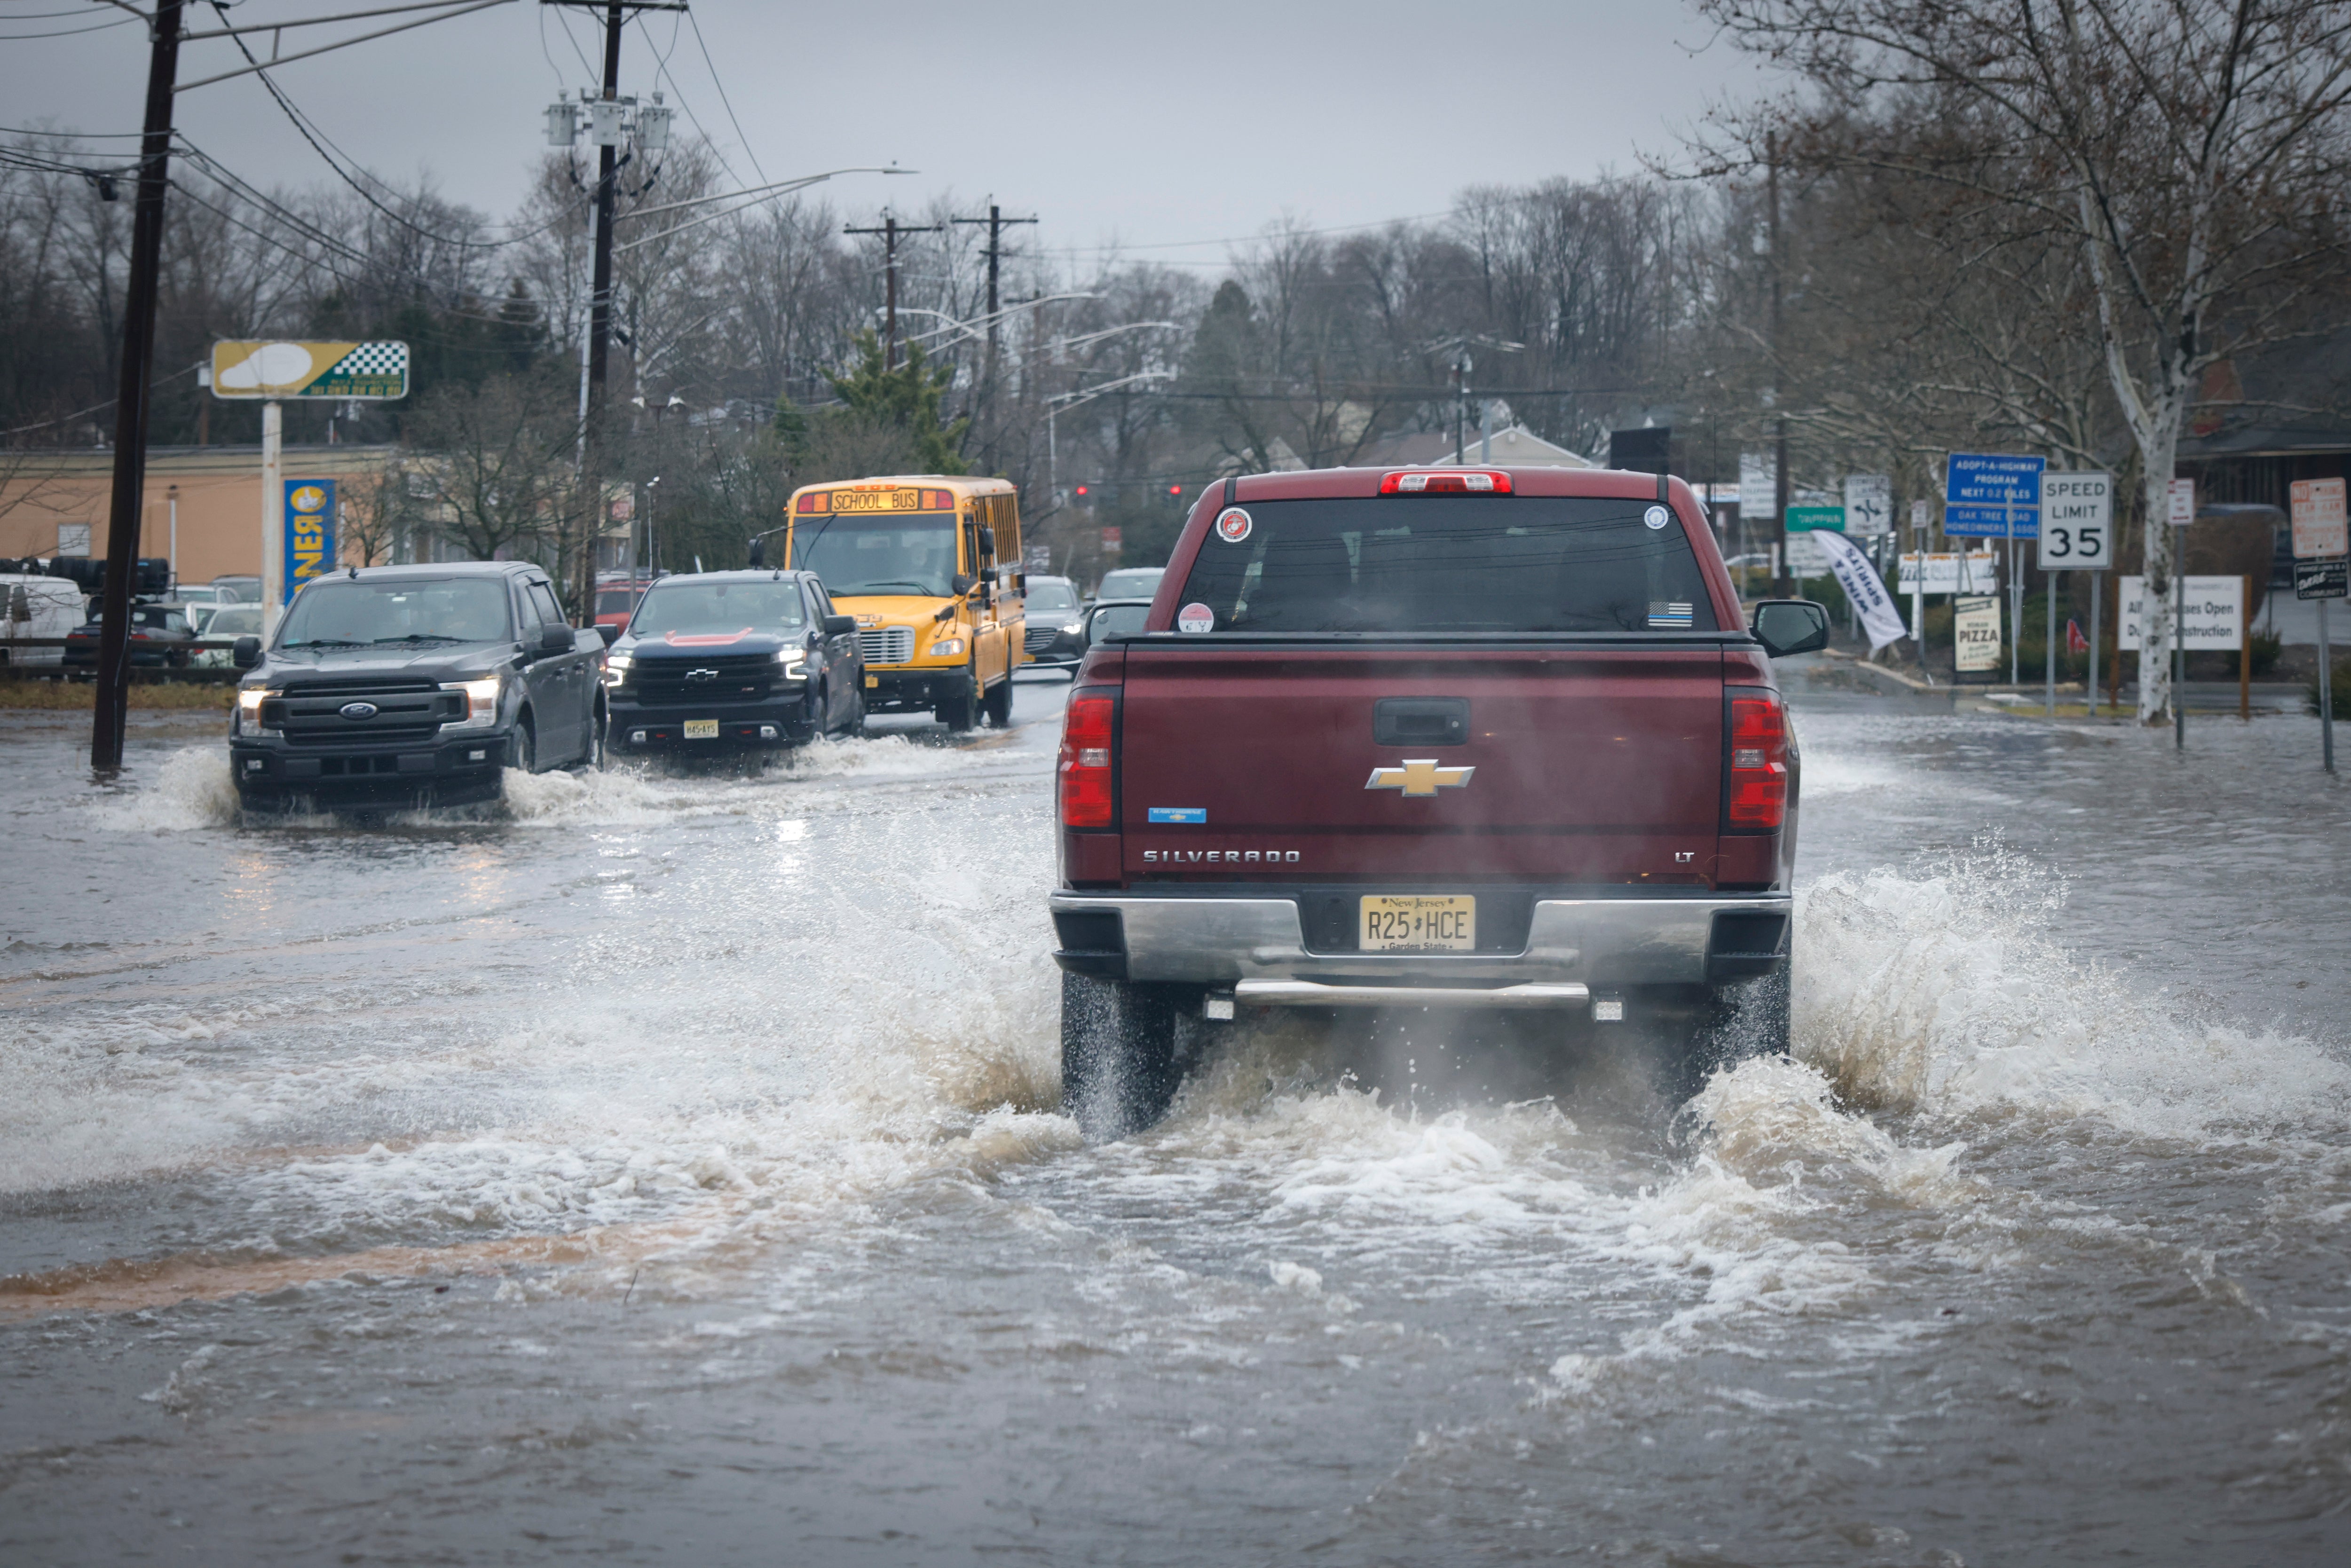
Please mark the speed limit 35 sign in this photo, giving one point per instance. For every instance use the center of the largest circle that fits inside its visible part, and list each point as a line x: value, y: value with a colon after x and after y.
x: 2077, y: 514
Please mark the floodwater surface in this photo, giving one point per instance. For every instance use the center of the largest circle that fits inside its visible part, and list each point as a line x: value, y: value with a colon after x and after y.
x: 666, y: 1168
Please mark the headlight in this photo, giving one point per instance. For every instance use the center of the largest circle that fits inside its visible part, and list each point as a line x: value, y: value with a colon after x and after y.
x: 794, y: 661
x: 616, y: 668
x: 947, y: 647
x: 1074, y: 627
x: 481, y: 702
x: 248, y: 709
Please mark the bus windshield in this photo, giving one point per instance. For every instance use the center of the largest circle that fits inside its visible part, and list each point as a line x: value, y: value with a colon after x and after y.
x: 879, y: 555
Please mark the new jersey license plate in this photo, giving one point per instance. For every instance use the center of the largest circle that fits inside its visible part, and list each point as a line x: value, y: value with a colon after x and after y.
x: 1418, y: 924
x: 701, y: 729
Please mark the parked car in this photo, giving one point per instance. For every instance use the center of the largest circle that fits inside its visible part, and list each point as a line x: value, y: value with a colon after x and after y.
x: 414, y: 685
x: 40, y: 606
x: 1129, y: 582
x: 1056, y: 624
x: 160, y: 632
x: 230, y: 620
x: 1429, y: 739
x: 735, y: 659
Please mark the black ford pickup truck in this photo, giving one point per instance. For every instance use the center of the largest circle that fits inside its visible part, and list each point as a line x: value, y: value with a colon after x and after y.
x: 414, y: 685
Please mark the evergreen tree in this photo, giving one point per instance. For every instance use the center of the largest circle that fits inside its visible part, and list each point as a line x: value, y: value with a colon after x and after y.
x: 907, y: 398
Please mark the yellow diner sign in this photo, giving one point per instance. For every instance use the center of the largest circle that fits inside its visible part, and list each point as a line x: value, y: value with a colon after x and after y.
x: 274, y: 370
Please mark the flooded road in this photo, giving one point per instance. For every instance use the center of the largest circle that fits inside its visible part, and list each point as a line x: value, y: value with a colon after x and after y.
x: 668, y: 1169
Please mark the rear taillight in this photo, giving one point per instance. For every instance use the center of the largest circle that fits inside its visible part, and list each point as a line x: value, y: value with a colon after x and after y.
x: 1088, y: 791
x: 1758, y: 797
x: 1446, y: 482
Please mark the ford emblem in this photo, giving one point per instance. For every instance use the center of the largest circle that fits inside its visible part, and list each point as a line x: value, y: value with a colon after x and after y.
x: 359, y: 710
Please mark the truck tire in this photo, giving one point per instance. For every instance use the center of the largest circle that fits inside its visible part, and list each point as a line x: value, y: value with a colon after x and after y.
x: 999, y: 705
x: 1118, y: 1054
x: 1736, y: 1021
x: 526, y: 746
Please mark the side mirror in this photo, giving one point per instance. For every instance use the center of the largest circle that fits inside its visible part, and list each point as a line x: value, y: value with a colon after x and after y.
x: 963, y: 584
x: 988, y: 541
x: 759, y: 552
x: 840, y: 625
x: 1786, y: 626
x: 610, y: 634
x: 244, y: 652
x: 556, y: 640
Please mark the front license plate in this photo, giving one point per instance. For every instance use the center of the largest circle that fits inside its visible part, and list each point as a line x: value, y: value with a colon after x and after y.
x: 701, y: 729
x: 1418, y: 924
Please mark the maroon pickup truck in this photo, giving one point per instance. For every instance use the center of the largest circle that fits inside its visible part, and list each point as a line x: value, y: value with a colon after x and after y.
x: 1469, y: 737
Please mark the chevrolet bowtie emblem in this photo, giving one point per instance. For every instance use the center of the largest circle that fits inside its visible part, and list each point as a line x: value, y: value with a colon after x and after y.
x: 1418, y: 776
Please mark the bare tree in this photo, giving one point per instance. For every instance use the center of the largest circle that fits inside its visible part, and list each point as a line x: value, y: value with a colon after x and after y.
x: 501, y: 468
x: 2189, y: 152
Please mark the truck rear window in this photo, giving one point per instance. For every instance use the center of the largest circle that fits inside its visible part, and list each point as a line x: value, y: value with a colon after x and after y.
x: 1450, y: 563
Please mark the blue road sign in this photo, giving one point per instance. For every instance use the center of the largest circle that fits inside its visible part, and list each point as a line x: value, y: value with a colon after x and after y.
x: 1992, y: 495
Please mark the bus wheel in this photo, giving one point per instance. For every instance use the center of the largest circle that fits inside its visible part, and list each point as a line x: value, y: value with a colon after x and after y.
x: 999, y: 705
x: 960, y: 712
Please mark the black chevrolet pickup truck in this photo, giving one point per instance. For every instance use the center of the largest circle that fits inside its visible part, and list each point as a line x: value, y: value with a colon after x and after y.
x: 414, y: 685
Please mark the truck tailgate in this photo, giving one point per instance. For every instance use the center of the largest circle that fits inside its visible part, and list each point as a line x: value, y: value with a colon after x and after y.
x: 1540, y: 762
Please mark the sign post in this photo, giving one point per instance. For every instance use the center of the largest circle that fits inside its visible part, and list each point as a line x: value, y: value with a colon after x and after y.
x: 2180, y: 500
x: 1918, y: 510
x: 2321, y: 562
x: 2076, y: 535
x: 270, y: 372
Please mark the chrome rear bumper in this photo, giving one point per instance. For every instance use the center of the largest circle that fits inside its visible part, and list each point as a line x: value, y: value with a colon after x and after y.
x: 1585, y: 943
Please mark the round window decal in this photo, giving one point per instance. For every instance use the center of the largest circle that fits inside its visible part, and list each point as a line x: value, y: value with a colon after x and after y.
x: 1196, y: 618
x: 1232, y: 525
x: 1657, y: 516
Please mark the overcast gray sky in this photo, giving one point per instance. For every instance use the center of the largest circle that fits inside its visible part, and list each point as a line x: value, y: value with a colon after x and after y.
x: 1145, y: 125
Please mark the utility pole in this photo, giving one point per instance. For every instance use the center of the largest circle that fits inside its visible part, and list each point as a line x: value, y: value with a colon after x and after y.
x: 133, y: 390
x: 890, y: 230
x: 605, y: 124
x: 995, y: 220
x: 1780, y: 441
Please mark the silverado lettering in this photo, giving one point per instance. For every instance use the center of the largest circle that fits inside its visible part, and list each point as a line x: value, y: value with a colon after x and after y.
x: 1225, y: 857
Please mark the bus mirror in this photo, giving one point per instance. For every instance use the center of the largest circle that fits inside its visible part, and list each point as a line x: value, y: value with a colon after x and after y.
x: 759, y: 552
x: 963, y: 584
x: 988, y: 541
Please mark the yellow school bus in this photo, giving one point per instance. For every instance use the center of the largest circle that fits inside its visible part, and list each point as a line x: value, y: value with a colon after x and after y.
x: 930, y: 566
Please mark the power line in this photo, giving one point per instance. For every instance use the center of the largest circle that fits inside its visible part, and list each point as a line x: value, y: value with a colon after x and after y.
x: 301, y: 123
x: 65, y: 32
x: 723, y: 98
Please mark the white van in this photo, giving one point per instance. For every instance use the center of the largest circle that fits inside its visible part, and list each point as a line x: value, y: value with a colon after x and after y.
x: 37, y: 607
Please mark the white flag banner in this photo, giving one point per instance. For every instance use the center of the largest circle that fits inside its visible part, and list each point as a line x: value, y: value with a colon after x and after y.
x: 1863, y: 586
